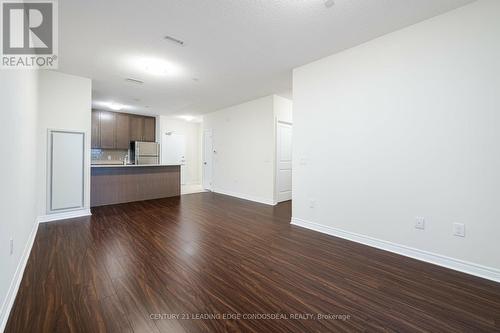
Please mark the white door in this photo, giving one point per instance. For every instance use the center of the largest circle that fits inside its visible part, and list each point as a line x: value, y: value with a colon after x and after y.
x: 284, y: 162
x: 208, y: 151
x: 173, y: 151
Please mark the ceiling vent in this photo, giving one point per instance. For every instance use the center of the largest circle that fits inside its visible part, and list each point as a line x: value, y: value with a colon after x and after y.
x: 174, y: 40
x: 132, y: 80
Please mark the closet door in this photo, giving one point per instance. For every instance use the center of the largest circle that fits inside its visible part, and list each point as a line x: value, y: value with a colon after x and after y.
x: 66, y: 170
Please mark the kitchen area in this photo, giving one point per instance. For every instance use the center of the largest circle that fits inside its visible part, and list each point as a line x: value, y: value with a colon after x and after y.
x: 125, y: 160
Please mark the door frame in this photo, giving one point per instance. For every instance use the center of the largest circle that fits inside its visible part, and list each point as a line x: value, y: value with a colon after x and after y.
x: 276, y: 158
x: 204, y: 184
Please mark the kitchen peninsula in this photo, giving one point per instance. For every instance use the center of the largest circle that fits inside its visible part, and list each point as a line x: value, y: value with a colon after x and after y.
x: 112, y: 184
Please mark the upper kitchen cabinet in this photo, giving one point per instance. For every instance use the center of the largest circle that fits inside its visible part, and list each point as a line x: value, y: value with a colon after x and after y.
x: 149, y: 129
x: 114, y: 130
x: 142, y: 128
x: 122, y: 131
x: 108, y: 130
x: 136, y: 128
x: 96, y: 130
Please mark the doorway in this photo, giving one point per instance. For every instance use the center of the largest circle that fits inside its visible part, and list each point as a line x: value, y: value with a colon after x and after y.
x: 207, y: 159
x: 283, y: 161
x: 173, y: 151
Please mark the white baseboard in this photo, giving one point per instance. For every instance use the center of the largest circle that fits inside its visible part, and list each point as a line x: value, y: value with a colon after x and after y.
x: 16, y: 280
x: 245, y: 197
x: 194, y: 182
x: 433, y: 258
x: 64, y: 216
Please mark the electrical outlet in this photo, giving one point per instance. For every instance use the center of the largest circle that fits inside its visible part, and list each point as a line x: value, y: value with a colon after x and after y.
x: 11, y: 246
x: 419, y: 223
x: 312, y: 203
x: 459, y: 229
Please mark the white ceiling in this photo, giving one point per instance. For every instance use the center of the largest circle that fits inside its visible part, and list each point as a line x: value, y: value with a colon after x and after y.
x: 237, y: 49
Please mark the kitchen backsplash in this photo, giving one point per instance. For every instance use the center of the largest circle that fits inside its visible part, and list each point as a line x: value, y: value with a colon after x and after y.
x: 108, y: 155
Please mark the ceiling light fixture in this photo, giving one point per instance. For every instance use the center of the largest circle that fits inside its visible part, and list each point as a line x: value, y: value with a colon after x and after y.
x: 157, y: 67
x: 110, y: 105
x: 329, y: 3
x: 187, y: 118
x: 114, y: 106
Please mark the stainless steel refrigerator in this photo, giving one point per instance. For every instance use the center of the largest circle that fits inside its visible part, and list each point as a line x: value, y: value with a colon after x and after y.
x: 144, y: 153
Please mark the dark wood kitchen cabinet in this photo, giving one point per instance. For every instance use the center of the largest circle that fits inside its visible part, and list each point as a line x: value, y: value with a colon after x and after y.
x: 108, y: 130
x: 142, y: 128
x: 149, y: 129
x: 96, y: 130
x: 115, y: 130
x: 122, y: 131
x: 136, y: 128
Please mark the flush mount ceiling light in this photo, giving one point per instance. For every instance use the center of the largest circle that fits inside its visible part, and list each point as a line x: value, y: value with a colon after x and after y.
x: 110, y: 105
x: 189, y: 118
x: 114, y: 106
x: 157, y: 67
x: 329, y: 3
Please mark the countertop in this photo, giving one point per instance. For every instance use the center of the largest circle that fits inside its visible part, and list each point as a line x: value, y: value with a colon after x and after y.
x: 131, y: 165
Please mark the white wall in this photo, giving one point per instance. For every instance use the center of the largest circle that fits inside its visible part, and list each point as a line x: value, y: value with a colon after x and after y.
x: 18, y: 124
x: 64, y: 103
x: 403, y: 126
x: 282, y: 109
x: 31, y: 102
x: 192, y: 133
x: 243, y: 137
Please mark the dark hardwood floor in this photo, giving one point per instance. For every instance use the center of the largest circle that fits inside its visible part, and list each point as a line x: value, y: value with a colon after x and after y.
x: 135, y: 267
